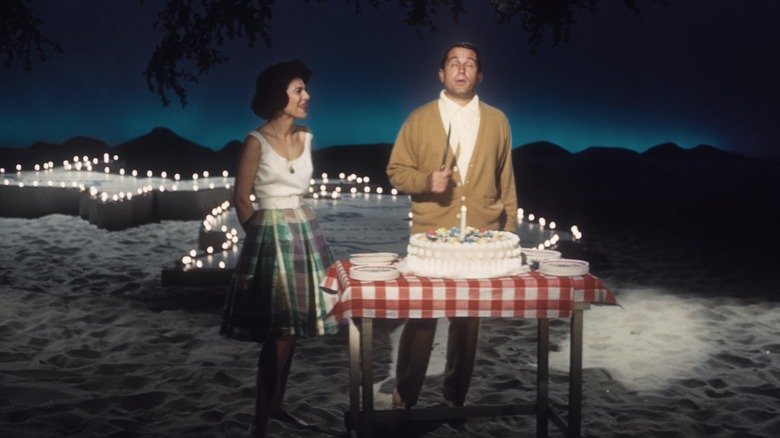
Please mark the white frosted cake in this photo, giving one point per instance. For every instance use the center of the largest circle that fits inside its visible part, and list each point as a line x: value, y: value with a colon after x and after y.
x: 479, y: 254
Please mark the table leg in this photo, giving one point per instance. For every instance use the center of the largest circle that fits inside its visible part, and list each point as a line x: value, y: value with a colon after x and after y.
x: 354, y: 374
x: 367, y: 372
x: 575, y: 371
x: 542, y: 376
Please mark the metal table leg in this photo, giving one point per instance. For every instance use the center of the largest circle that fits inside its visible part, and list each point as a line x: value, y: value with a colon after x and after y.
x: 367, y: 371
x: 575, y: 371
x: 354, y: 376
x: 542, y: 376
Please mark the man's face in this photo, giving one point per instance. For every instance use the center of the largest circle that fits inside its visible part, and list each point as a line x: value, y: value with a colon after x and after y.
x: 460, y: 75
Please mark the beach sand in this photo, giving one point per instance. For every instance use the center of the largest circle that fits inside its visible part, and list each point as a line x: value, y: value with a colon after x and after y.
x: 94, y: 346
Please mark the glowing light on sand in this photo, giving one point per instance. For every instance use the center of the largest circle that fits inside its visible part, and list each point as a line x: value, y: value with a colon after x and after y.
x: 542, y: 222
x: 531, y: 217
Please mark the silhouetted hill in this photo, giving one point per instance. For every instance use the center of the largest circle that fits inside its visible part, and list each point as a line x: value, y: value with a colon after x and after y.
x: 161, y: 149
x: 542, y: 149
x: 40, y: 152
x: 671, y: 151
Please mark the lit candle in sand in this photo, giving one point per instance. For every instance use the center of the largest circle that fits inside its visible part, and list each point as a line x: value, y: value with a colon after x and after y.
x: 462, y: 223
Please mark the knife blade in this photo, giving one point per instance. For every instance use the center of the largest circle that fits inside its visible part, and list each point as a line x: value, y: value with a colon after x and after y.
x: 446, y: 149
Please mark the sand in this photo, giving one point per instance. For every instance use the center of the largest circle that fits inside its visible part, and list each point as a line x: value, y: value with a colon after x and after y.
x: 94, y: 346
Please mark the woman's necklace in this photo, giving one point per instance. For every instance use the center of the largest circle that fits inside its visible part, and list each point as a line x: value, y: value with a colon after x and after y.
x: 289, y: 161
x: 289, y: 153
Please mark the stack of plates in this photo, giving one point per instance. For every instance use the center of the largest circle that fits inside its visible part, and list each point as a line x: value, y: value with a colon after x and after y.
x: 535, y: 256
x: 373, y: 258
x: 374, y: 273
x: 564, y: 267
x: 373, y: 266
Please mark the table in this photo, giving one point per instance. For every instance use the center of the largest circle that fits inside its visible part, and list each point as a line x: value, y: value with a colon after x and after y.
x: 531, y: 295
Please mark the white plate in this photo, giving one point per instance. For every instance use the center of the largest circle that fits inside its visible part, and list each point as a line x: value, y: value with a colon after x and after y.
x: 537, y: 255
x: 564, y: 267
x: 373, y: 258
x: 374, y: 273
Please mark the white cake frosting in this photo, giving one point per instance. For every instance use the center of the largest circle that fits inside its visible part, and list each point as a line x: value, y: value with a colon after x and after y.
x: 480, y: 254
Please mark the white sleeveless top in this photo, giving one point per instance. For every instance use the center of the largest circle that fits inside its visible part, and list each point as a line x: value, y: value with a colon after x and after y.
x: 273, y: 177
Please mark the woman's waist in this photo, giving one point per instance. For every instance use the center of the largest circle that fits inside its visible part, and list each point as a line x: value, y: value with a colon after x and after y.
x: 280, y: 202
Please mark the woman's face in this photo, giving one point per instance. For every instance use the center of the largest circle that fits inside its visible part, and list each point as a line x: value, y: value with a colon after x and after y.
x: 297, y: 99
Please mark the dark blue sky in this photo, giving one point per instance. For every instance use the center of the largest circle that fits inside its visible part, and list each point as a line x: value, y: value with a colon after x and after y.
x: 693, y: 72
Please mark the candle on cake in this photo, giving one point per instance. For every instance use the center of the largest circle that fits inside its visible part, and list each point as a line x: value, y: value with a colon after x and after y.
x: 462, y: 223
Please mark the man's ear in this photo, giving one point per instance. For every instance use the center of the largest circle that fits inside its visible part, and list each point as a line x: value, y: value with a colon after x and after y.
x: 441, y: 75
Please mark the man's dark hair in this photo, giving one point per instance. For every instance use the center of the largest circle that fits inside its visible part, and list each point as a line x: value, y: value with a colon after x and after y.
x: 464, y: 45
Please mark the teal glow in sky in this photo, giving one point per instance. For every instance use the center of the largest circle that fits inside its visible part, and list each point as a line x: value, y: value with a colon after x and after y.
x: 693, y: 72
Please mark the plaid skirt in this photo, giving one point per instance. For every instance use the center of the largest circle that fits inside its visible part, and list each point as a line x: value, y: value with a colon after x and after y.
x: 275, y: 289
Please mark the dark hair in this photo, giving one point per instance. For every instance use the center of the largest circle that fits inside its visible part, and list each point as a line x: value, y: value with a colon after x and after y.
x: 463, y: 45
x: 271, y: 87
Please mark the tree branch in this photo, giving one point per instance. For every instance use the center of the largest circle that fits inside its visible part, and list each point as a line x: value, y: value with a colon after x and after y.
x: 193, y: 34
x: 20, y: 37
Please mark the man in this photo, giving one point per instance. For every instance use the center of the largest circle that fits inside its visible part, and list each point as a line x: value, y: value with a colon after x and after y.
x: 475, y: 172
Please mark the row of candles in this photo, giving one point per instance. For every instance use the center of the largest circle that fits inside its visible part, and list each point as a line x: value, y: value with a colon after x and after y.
x: 88, y: 165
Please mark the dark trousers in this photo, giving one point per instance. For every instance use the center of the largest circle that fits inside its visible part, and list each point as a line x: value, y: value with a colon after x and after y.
x: 414, y: 352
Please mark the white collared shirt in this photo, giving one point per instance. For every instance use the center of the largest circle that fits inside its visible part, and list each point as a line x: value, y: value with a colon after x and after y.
x: 464, y: 124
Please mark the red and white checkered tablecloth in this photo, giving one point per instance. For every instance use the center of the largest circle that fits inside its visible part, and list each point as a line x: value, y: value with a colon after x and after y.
x: 531, y: 295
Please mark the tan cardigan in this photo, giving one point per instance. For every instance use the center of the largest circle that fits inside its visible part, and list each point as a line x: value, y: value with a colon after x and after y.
x: 489, y: 189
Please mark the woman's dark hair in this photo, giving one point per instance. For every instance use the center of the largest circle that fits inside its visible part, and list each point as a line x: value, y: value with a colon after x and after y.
x: 271, y: 87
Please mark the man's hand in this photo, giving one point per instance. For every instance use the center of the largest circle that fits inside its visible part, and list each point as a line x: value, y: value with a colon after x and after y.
x: 439, y: 180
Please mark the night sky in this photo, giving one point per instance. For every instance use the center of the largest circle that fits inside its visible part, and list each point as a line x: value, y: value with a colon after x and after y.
x: 692, y: 72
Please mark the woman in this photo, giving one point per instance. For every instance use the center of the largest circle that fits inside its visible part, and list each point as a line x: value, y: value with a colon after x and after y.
x: 274, y: 295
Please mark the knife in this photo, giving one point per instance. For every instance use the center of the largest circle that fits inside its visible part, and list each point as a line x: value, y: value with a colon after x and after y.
x: 446, y: 149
